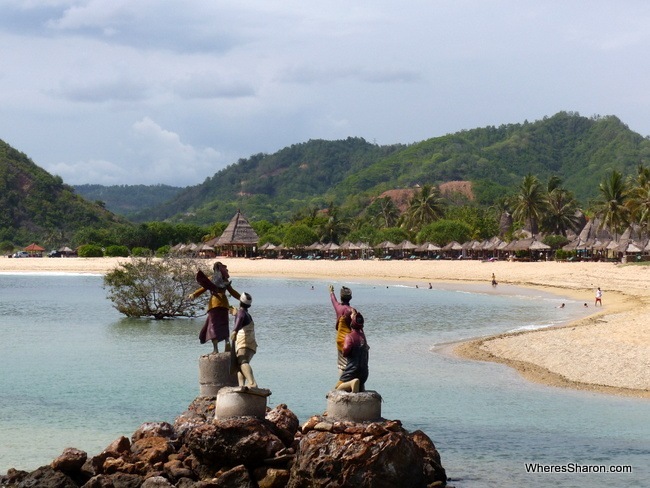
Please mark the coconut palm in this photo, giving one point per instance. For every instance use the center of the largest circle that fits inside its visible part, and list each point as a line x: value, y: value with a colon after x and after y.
x: 561, y: 214
x: 383, y: 212
x: 611, y: 207
x: 638, y: 202
x: 529, y: 203
x: 334, y: 227
x: 425, y: 207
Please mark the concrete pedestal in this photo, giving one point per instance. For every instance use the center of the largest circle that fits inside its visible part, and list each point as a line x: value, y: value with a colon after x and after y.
x: 364, y: 406
x: 241, y: 401
x: 214, y: 373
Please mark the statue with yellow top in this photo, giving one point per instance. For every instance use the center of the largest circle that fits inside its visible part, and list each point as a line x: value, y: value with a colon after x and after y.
x: 216, y: 327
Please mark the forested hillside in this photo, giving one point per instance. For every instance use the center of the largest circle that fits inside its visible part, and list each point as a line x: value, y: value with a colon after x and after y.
x: 127, y: 200
x: 579, y: 150
x: 37, y: 206
x: 303, y: 178
x: 273, y: 186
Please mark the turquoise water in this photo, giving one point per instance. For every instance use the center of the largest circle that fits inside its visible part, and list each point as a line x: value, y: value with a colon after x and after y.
x: 73, y: 372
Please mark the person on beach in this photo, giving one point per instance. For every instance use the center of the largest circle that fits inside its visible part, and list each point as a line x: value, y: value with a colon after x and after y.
x: 599, y: 297
x: 355, y: 350
x: 216, y: 327
x: 343, y: 318
x: 494, y: 280
x: 244, y: 344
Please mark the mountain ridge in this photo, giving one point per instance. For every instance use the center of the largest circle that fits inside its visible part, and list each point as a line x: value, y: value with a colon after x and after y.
x: 351, y: 172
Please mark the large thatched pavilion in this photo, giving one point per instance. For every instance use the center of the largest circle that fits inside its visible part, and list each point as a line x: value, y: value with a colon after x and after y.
x: 239, y: 239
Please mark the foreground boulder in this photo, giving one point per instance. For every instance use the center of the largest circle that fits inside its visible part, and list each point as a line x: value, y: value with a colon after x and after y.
x: 375, y: 454
x: 198, y: 451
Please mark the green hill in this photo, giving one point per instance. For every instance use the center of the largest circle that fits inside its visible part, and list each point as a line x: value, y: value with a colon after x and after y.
x: 127, y: 200
x: 580, y: 150
x: 37, y: 206
x: 310, y: 175
x: 272, y: 186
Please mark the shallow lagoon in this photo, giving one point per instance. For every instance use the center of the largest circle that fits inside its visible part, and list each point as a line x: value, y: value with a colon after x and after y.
x: 73, y: 372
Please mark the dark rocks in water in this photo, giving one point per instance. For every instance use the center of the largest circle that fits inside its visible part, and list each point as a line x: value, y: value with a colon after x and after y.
x: 372, y: 454
x: 45, y: 477
x: 198, y: 451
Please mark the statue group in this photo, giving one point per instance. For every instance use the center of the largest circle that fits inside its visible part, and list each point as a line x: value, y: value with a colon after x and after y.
x: 351, y: 343
x: 242, y: 345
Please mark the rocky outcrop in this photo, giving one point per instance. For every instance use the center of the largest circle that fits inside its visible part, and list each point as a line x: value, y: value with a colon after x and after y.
x: 376, y: 454
x: 201, y: 452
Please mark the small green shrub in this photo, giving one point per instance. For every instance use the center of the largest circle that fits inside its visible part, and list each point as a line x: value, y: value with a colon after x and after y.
x: 90, y: 251
x: 141, y: 252
x: 117, y: 252
x: 163, y: 251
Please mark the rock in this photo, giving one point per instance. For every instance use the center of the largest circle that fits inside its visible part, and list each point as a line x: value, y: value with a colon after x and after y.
x: 151, y: 450
x: 311, y: 423
x: 187, y: 483
x: 46, y: 477
x: 235, y: 477
x: 70, y: 461
x: 117, y: 448
x: 177, y: 470
x: 154, y: 429
x: 433, y: 464
x: 13, y: 477
x: 285, y: 422
x: 272, y: 477
x: 117, y: 480
x: 199, y: 411
x: 156, y: 482
x: 324, y: 426
x: 201, y: 452
x: 234, y: 441
x: 372, y: 456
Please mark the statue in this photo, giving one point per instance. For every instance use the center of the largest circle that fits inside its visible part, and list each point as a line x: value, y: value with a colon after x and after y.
x: 216, y: 327
x: 244, y: 345
x: 355, y: 350
x: 343, y: 311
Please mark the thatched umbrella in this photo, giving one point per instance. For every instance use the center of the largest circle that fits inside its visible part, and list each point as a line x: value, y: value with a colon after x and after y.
x: 539, y: 246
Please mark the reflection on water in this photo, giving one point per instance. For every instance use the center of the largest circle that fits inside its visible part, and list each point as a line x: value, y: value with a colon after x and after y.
x: 76, y: 373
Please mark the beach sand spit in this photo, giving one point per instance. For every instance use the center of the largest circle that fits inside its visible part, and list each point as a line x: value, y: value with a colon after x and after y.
x: 608, y: 351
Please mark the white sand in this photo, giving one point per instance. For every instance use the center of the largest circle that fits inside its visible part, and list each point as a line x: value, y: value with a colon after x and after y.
x: 609, y: 351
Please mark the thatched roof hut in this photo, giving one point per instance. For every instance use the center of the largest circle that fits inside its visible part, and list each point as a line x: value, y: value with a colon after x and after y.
x: 239, y: 238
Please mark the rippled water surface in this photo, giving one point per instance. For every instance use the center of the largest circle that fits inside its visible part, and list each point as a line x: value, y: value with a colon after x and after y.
x: 73, y: 372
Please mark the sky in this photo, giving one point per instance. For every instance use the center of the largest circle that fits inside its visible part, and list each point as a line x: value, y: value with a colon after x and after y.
x: 170, y: 92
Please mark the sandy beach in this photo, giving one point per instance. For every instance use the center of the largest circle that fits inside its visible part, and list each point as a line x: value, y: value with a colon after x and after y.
x: 609, y: 351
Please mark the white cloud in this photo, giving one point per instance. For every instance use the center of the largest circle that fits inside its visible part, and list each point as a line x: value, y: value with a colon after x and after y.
x: 209, y: 82
x: 160, y: 155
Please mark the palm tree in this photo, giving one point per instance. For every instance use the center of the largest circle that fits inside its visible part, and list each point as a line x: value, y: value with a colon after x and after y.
x: 611, y: 206
x: 425, y: 207
x: 383, y: 212
x: 561, y: 213
x: 638, y: 202
x: 334, y: 227
x: 529, y: 204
